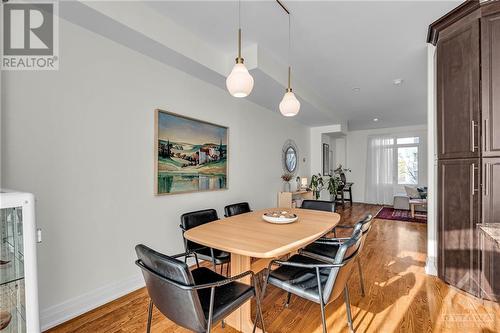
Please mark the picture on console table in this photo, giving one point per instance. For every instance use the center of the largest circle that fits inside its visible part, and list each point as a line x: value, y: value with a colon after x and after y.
x: 191, y: 155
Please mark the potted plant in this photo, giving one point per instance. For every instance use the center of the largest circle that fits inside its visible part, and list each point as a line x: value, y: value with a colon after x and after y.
x: 316, y: 185
x: 333, y: 185
x: 286, y: 177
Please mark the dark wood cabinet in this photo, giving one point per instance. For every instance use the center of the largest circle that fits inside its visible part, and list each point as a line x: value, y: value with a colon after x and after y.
x: 467, y: 41
x: 458, y: 91
x: 490, y: 66
x: 490, y: 253
x: 459, y: 212
x: 491, y: 190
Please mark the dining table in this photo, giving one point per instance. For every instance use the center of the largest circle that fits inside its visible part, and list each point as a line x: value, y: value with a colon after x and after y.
x: 248, y: 236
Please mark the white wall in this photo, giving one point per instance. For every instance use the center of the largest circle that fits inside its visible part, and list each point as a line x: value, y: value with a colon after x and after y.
x: 357, y: 142
x: 316, y: 147
x: 81, y: 139
x: 340, y: 151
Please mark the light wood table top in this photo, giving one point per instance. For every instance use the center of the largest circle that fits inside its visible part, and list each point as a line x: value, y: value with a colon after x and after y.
x: 248, y: 235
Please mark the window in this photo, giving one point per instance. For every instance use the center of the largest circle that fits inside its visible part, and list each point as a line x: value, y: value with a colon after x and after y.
x: 407, y: 160
x: 408, y: 165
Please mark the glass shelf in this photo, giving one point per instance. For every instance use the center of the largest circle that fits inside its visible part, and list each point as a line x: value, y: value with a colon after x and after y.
x: 12, y: 283
x: 11, y: 272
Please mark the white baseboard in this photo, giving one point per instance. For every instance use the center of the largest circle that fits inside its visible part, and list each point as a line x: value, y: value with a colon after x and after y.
x: 431, y: 266
x: 62, y: 312
x: 74, y: 307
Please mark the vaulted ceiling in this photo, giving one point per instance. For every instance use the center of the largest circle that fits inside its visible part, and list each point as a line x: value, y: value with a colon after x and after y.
x: 345, y: 54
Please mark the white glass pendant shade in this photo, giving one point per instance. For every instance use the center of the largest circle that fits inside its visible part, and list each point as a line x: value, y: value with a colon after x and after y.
x: 289, y: 105
x: 239, y: 83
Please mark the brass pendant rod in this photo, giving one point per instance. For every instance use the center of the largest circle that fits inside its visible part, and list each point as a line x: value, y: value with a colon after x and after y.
x: 239, y: 43
x: 289, y: 78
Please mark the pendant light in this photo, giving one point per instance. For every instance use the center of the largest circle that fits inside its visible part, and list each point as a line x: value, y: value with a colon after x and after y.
x: 289, y: 105
x: 239, y: 83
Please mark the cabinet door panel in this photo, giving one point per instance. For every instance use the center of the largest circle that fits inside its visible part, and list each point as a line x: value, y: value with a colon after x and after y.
x: 491, y: 190
x: 458, y: 95
x: 490, y: 273
x: 490, y: 52
x: 459, y: 200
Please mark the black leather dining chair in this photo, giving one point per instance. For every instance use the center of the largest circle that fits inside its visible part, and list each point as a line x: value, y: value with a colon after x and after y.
x: 236, y: 209
x: 197, y: 218
x: 327, y: 206
x: 316, y: 280
x: 196, y: 300
x: 325, y: 249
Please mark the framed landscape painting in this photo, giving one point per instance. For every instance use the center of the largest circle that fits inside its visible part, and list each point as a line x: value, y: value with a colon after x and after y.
x: 191, y: 155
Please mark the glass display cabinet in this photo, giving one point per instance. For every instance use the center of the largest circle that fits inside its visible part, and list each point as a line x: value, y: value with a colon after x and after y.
x: 18, y: 273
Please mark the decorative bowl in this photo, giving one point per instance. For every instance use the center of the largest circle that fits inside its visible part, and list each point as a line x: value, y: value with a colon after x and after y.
x: 280, y: 217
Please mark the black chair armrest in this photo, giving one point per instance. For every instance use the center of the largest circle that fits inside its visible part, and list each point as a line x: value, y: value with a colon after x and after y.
x: 330, y: 241
x: 224, y: 282
x: 193, y: 287
x: 185, y: 254
x: 301, y: 265
x: 343, y: 227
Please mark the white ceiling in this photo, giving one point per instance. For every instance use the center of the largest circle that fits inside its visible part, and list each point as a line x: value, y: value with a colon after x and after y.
x: 337, y: 45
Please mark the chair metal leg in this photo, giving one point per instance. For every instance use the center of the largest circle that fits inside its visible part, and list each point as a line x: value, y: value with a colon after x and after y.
x: 323, y: 318
x: 150, y: 315
x: 211, y: 309
x: 197, y: 261
x: 288, y: 299
x: 361, y: 278
x: 213, y: 260
x: 348, y: 308
x: 321, y: 301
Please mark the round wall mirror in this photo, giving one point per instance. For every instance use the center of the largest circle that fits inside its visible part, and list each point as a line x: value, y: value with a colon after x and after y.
x: 290, y: 157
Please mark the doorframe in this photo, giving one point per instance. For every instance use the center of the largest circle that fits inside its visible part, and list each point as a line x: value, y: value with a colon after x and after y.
x: 432, y: 218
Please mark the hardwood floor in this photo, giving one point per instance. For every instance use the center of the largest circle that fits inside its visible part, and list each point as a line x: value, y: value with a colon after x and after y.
x: 400, y: 296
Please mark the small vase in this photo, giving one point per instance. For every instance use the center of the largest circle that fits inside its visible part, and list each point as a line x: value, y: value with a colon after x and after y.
x: 286, y: 187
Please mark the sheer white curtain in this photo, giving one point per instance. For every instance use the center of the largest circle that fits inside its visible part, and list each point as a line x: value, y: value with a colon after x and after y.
x: 380, y: 170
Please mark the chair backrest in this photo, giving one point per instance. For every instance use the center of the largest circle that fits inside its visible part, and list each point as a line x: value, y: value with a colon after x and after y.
x: 160, y: 273
x: 327, y: 206
x: 194, y: 219
x: 338, y: 276
x: 366, y: 222
x: 366, y: 225
x: 236, y: 209
x: 343, y: 178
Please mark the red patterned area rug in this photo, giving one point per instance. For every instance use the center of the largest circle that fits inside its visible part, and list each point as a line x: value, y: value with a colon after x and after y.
x: 389, y: 213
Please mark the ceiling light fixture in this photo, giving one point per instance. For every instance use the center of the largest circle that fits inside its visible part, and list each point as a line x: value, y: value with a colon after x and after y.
x: 356, y: 89
x: 375, y: 119
x: 289, y: 105
x: 239, y: 83
x: 398, y: 82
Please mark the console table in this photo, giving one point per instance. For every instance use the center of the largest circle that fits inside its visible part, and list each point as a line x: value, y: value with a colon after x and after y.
x: 285, y: 199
